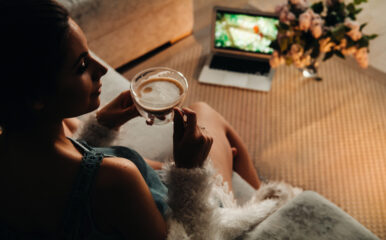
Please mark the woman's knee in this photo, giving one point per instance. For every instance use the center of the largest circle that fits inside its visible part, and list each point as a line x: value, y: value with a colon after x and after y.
x: 199, y: 106
x: 207, y: 115
x: 204, y: 109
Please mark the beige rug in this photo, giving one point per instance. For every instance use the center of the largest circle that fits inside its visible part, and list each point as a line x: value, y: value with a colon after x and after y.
x: 327, y: 136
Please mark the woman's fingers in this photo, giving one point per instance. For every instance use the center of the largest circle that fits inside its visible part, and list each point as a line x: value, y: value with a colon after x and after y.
x: 117, y: 112
x: 207, y: 144
x: 179, y: 128
x: 127, y: 99
x: 127, y: 105
x: 192, y: 143
x: 191, y: 120
x: 131, y: 112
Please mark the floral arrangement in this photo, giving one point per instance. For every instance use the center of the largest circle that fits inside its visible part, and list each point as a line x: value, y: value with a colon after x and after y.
x: 306, y: 32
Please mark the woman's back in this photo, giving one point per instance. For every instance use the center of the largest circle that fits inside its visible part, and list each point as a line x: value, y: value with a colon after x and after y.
x: 65, y: 190
x: 36, y: 186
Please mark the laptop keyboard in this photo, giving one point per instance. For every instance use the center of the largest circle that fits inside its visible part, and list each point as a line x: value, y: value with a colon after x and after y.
x: 240, y: 65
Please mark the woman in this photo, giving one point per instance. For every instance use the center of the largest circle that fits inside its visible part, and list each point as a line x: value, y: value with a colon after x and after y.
x: 56, y: 187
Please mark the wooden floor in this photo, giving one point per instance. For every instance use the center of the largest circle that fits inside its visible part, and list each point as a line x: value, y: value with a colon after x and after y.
x: 329, y: 137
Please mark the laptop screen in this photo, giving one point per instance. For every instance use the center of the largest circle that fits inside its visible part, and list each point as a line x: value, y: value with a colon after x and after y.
x: 244, y: 32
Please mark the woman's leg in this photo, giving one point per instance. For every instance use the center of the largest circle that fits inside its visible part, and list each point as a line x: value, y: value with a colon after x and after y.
x: 224, y: 139
x: 242, y: 162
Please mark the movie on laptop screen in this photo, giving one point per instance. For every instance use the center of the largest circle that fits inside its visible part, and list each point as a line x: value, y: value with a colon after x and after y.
x: 244, y: 32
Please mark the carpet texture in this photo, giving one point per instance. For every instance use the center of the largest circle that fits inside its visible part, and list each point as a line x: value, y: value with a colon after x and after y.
x: 328, y: 136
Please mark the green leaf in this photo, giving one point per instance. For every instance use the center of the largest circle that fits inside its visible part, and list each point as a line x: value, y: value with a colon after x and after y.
x: 290, y: 41
x: 274, y: 45
x: 351, y: 8
x: 284, y: 26
x: 358, y: 10
x: 331, y: 20
x: 363, y: 42
x: 328, y: 55
x: 316, y: 51
x: 318, y: 7
x: 341, y: 7
x: 297, y: 39
x: 339, y: 54
x: 338, y: 33
x: 283, y: 44
x: 362, y: 26
x: 352, y: 16
x: 350, y: 42
x: 372, y: 36
x: 309, y: 40
x: 357, y: 2
x: 282, y: 31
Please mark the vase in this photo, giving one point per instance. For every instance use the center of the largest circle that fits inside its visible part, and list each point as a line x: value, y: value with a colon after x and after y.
x: 311, y: 71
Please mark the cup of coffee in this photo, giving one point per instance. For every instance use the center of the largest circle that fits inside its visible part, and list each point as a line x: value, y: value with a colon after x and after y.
x: 156, y: 91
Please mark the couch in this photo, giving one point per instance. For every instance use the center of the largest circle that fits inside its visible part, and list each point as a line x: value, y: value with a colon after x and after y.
x: 308, y: 216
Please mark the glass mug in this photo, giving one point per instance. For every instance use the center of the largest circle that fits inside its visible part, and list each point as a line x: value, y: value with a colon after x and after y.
x: 156, y: 91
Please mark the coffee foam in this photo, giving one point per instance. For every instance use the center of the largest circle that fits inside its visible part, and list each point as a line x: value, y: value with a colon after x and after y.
x: 159, y: 92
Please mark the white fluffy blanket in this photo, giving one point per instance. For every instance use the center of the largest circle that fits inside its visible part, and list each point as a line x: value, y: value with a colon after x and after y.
x: 201, y: 205
x: 203, y: 208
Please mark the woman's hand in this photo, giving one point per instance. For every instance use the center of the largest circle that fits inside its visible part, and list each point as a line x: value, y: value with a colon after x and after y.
x: 118, y: 111
x: 191, y: 142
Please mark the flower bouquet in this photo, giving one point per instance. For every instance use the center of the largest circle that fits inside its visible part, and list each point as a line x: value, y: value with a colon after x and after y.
x: 307, y: 33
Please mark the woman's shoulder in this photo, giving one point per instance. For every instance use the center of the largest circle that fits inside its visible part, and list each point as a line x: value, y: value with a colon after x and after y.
x: 121, y: 196
x: 114, y: 179
x: 116, y: 170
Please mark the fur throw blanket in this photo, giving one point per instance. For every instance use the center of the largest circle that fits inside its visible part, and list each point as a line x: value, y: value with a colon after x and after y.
x: 203, y: 208
x: 201, y: 205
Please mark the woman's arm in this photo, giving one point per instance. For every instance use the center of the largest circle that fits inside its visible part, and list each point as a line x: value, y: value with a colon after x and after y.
x: 102, y: 128
x: 188, y: 181
x: 71, y: 125
x: 123, y: 202
x: 188, y: 197
x: 96, y: 134
x: 154, y: 164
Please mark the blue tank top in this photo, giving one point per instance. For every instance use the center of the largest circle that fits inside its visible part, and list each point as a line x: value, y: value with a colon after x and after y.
x: 78, y: 220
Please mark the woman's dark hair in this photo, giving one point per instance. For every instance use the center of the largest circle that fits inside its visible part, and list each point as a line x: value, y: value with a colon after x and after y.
x: 33, y: 33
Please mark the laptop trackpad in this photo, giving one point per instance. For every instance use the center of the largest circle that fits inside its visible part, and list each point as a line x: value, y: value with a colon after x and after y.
x: 231, y: 78
x: 235, y: 79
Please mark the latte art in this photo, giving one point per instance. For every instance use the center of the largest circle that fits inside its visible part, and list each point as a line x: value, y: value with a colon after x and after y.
x: 159, y: 93
x: 156, y: 91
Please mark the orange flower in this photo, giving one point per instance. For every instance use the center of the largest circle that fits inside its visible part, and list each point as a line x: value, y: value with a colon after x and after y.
x: 256, y: 29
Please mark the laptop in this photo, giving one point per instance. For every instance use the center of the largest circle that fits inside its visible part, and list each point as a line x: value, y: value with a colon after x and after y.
x: 240, y: 49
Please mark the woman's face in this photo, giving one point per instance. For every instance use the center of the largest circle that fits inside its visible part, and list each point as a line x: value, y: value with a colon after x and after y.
x: 79, y: 84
